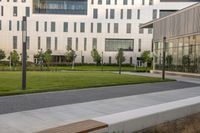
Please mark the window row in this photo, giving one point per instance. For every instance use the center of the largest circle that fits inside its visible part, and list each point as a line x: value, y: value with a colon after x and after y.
x: 23, y: 1
x: 124, y: 2
x: 82, y: 27
x: 15, y: 11
x: 111, y: 14
x: 73, y: 43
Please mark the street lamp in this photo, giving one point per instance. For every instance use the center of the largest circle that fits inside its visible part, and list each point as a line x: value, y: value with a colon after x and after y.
x: 24, y: 54
x: 164, y: 54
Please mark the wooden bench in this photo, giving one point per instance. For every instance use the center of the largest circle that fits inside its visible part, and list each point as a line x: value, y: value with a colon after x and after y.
x: 78, y: 127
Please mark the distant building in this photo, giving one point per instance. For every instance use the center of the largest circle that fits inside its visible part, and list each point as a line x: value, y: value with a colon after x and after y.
x: 83, y: 25
x: 182, y: 30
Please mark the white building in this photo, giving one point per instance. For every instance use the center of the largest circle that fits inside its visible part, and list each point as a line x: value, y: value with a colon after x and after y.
x: 83, y: 24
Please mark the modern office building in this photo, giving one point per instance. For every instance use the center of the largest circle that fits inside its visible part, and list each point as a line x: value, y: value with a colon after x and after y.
x: 83, y: 25
x: 182, y: 32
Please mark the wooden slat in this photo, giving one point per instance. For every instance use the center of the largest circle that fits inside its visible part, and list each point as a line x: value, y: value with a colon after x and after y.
x: 79, y: 127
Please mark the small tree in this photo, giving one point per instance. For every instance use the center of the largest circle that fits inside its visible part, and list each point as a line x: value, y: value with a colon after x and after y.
x: 120, y: 58
x: 146, y: 58
x: 169, y: 60
x: 47, y: 57
x: 70, y: 56
x: 96, y: 56
x: 14, y: 57
x: 2, y: 54
x: 186, y: 61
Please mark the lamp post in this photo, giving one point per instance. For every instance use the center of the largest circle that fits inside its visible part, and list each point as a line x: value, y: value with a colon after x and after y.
x: 164, y: 54
x: 24, y: 54
x: 102, y: 61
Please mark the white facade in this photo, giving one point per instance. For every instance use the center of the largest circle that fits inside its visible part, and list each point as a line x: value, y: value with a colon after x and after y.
x: 146, y: 14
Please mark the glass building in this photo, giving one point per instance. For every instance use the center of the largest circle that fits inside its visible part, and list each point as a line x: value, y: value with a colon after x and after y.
x: 182, y: 31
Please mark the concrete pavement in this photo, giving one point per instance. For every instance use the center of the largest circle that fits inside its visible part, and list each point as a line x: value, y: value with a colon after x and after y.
x: 39, y: 119
x: 18, y: 103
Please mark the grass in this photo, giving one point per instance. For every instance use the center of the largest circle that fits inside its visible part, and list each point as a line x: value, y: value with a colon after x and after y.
x: 10, y: 82
x: 82, y: 68
x: 189, y: 124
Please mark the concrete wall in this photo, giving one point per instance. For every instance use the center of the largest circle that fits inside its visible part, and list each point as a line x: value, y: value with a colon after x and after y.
x: 136, y: 120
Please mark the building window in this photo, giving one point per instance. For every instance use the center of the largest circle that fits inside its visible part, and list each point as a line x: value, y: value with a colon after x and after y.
x: 129, y: 13
x: 45, y: 26
x: 139, y: 45
x: 27, y: 11
x: 65, y: 27
x: 0, y: 25
x: 75, y: 7
x: 75, y: 25
x: 69, y: 43
x: 116, y: 44
x: 39, y: 43
x: 138, y: 14
x: 14, y: 42
x: 106, y: 13
x: 2, y: 11
x: 112, y: 14
x: 141, y: 30
x: 150, y: 2
x: 92, y: 2
x: 48, y: 43
x: 14, y: 11
x: 128, y: 28
x: 99, y: 2
x: 107, y: 2
x: 37, y: 26
x: 92, y: 28
x: 82, y: 27
x: 150, y: 30
x: 115, y: 2
x: 122, y: 14
x: 94, y: 43
x: 85, y: 44
x: 155, y: 14
x: 133, y: 2
x: 76, y: 44
x: 10, y: 25
x: 56, y: 43
x: 95, y: 13
x: 116, y: 27
x: 125, y: 2
x: 143, y: 2
x: 18, y: 25
x: 53, y: 27
x: 108, y: 27
x: 99, y: 25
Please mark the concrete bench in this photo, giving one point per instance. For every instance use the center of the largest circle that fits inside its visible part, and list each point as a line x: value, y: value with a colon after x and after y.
x: 78, y: 127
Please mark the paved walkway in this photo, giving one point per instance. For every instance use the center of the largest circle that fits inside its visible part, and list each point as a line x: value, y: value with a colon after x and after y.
x: 35, y: 101
x: 39, y: 119
x: 178, y: 78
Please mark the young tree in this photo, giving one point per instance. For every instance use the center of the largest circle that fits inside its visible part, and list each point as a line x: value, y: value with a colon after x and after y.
x: 47, y: 57
x: 169, y: 60
x: 120, y: 58
x: 70, y: 56
x: 186, y: 62
x: 96, y: 56
x: 2, y: 54
x: 146, y: 58
x: 14, y: 57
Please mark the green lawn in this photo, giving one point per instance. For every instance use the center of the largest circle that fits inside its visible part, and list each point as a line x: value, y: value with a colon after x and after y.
x: 81, y: 68
x: 10, y: 82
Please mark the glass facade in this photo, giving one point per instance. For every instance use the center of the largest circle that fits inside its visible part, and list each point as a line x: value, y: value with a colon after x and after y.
x: 182, y: 54
x: 60, y: 7
x: 116, y: 44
